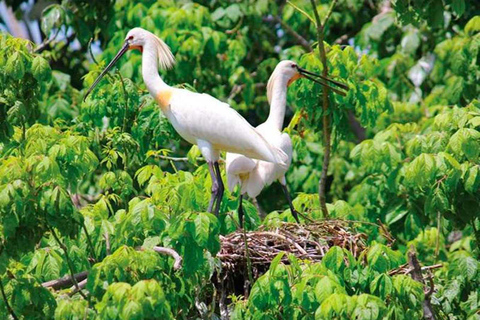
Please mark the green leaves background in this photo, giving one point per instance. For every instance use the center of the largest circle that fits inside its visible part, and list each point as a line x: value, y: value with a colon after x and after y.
x: 103, y: 174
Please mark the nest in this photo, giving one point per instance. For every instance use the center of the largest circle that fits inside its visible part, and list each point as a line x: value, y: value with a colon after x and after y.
x: 307, y: 242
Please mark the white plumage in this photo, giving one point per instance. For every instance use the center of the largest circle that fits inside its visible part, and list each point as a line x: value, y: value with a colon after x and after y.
x: 253, y: 175
x: 203, y: 120
x: 257, y: 156
x: 198, y: 118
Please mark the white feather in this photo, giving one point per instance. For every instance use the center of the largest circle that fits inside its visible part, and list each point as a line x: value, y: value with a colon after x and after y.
x: 254, y: 175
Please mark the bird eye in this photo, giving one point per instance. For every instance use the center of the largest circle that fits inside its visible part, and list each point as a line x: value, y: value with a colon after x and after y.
x: 130, y: 38
x: 294, y: 65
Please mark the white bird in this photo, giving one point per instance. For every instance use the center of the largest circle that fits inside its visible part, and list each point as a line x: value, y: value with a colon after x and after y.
x: 252, y: 175
x: 199, y: 118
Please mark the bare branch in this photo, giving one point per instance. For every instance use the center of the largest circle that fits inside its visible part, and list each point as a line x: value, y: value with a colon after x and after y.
x: 81, y: 285
x: 168, y: 251
x: 299, y: 39
x: 80, y: 279
x: 65, y: 281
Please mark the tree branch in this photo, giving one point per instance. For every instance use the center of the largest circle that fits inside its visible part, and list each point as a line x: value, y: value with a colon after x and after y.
x: 325, y: 106
x: 301, y: 11
x: 81, y: 285
x: 299, y: 39
x: 65, y: 281
x: 69, y: 262
x: 168, y: 251
x: 49, y: 42
x: 107, y: 242
x: 7, y: 304
x: 89, y: 243
x: 79, y: 280
x: 417, y: 275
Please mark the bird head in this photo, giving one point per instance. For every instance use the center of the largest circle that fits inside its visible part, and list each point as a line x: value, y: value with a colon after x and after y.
x: 136, y: 38
x: 289, y: 71
x: 142, y: 40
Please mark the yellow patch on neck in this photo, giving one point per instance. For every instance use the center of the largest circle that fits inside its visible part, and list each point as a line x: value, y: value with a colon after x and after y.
x: 163, y: 98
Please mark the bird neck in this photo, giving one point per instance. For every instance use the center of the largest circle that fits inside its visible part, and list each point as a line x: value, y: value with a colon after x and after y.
x: 152, y: 79
x: 278, y: 102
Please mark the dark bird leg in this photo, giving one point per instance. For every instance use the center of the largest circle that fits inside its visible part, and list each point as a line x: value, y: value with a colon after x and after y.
x: 214, y: 186
x: 220, y: 188
x: 240, y: 210
x: 292, y: 209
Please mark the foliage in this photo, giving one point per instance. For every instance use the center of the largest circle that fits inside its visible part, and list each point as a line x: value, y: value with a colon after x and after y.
x: 96, y: 185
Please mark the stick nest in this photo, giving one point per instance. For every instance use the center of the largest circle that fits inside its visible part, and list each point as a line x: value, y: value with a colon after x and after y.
x: 307, y: 242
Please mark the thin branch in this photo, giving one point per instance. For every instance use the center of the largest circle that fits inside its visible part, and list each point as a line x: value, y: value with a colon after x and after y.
x: 69, y: 262
x: 176, y: 159
x: 437, y: 239
x: 89, y: 242
x: 125, y: 96
x: 329, y: 13
x: 5, y: 299
x: 50, y: 42
x: 107, y: 243
x: 249, y: 264
x: 299, y: 39
x: 325, y: 106
x: 302, y: 12
x: 181, y: 159
x: 91, y: 52
x: 81, y: 285
x: 168, y: 251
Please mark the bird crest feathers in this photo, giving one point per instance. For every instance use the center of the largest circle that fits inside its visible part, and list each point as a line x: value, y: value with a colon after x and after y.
x: 166, y: 59
x: 270, y: 83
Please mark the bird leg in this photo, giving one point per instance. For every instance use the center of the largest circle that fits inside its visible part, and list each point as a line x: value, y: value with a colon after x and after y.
x: 220, y: 188
x: 292, y: 208
x: 240, y: 211
x: 214, y: 186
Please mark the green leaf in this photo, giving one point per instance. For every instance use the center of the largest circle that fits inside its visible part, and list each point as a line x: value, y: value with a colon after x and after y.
x: 420, y: 173
x: 202, y: 228
x: 466, y: 142
x: 326, y: 287
x: 333, y: 260
x: 437, y: 201
x: 382, y: 286
x: 218, y: 14
x: 276, y: 261
x: 15, y: 66
x: 467, y: 266
x: 41, y: 69
x: 52, y: 17
x: 132, y: 311
x: 458, y: 7
x: 472, y: 179
x: 410, y: 42
x: 473, y: 26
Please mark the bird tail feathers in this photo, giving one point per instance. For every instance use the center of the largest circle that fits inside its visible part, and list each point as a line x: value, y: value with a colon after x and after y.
x: 281, y: 158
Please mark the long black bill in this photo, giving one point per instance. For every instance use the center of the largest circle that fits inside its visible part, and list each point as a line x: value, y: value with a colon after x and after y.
x: 110, y: 65
x: 310, y: 75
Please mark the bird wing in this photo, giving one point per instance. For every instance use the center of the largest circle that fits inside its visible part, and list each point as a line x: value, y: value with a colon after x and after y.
x: 203, y: 117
